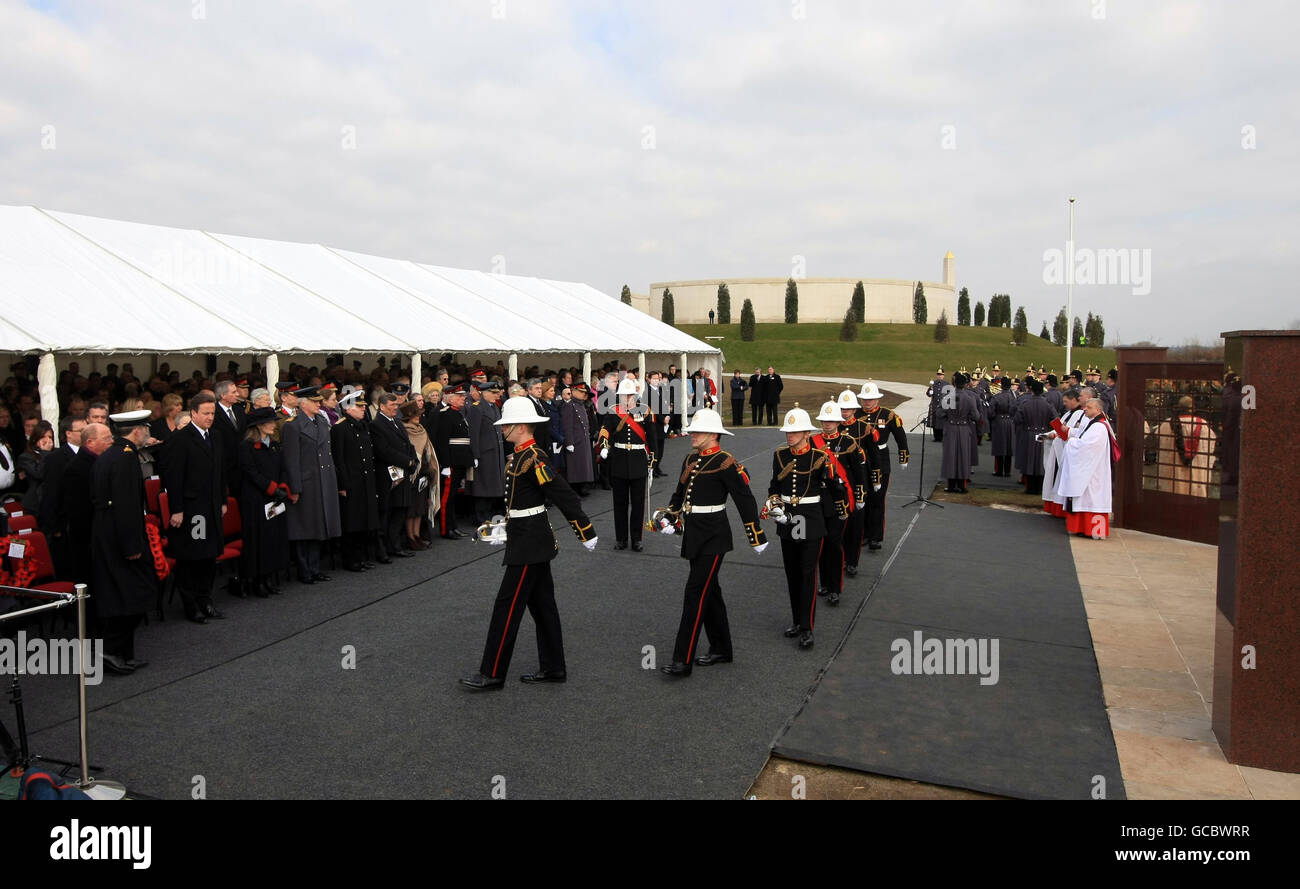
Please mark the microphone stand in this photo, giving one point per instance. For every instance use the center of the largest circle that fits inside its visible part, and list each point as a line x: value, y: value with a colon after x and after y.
x: 920, y: 476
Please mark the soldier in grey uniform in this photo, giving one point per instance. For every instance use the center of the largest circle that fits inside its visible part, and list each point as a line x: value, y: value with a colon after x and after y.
x: 1033, y: 416
x: 961, y: 417
x: 313, y: 484
x: 1001, y: 428
x: 487, y: 483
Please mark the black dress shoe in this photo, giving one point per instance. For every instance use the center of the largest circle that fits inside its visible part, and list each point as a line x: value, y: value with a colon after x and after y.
x: 637, y: 547
x: 821, y: 590
x: 307, y: 580
x: 210, y: 611
x: 384, y: 560
x: 321, y: 578
x: 401, y: 554
x: 621, y: 544
x: 116, y: 665
x: 458, y: 533
x: 791, y: 632
x: 367, y: 565
x: 479, y: 682
x: 851, y: 570
x: 136, y: 663
x: 874, y: 544
x: 354, y: 567
x: 833, y: 599
x: 261, y: 589
x: 544, y: 676
x: 196, y: 617
x: 676, y: 668
x: 708, y: 660
x: 806, y: 639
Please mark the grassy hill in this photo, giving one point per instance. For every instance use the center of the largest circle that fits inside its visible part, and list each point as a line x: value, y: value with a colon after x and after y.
x: 906, y: 353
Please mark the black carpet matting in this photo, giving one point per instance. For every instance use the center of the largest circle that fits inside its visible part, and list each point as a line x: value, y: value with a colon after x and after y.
x: 964, y: 572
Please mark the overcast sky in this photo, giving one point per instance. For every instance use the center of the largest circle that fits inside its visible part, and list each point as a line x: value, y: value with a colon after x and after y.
x: 618, y: 143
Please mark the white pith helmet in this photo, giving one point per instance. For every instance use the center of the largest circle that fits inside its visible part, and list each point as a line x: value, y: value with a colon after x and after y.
x: 706, y: 420
x: 796, y: 420
x: 848, y: 401
x: 830, y: 413
x: 628, y: 386
x: 519, y: 409
x: 869, y: 391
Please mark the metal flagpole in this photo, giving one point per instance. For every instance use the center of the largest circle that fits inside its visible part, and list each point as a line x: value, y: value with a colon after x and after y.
x: 1069, y: 293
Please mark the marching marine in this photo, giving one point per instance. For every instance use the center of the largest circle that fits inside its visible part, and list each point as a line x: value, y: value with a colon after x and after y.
x: 699, y: 508
x: 530, y: 546
x: 885, y: 423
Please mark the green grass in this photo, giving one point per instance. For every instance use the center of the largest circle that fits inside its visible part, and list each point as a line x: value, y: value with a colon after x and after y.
x: 905, y: 353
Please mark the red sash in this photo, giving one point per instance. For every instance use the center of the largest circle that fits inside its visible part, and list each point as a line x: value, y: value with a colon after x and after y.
x: 819, y: 442
x: 633, y: 424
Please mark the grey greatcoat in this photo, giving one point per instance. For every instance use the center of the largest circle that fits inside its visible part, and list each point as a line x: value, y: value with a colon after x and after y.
x: 486, y: 443
x: 309, y: 468
x: 1033, y: 415
x: 578, y: 467
x: 1002, y: 407
x: 959, y: 424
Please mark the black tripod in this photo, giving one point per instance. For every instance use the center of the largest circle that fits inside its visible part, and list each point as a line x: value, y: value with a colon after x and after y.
x: 920, y: 476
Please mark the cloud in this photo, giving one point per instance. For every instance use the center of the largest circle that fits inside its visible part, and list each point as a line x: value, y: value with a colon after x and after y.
x: 520, y: 128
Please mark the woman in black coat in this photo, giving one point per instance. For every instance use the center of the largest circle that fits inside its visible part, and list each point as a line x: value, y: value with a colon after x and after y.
x: 266, y: 540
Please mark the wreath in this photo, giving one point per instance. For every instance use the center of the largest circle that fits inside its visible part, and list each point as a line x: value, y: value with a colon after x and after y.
x: 25, y: 571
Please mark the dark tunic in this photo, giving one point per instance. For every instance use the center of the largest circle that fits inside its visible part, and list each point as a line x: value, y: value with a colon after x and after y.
x: 354, y: 465
x: 122, y: 586
x: 935, y: 391
x: 886, y: 424
x: 196, y: 486
x: 707, y: 480
x: 266, y: 541
x: 959, y: 424
x: 628, y: 452
x: 755, y: 389
x: 803, y: 476
x: 530, y: 481
x: 1033, y: 415
x: 772, y: 387
x: 451, y: 443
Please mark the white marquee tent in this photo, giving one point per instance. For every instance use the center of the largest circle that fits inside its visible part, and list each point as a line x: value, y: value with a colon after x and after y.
x: 79, y: 285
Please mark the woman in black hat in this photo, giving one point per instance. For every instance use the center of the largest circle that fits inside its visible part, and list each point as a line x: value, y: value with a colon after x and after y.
x: 266, y: 538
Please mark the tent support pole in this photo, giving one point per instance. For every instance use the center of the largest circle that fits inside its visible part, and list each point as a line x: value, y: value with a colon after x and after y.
x: 586, y: 367
x: 512, y: 366
x: 640, y: 366
x: 687, y: 407
x: 415, y: 372
x: 47, y: 378
x: 272, y: 365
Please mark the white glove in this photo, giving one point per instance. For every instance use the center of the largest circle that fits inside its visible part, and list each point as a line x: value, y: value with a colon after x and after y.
x: 783, y: 519
x: 668, y: 528
x: 875, y: 487
x: 476, y: 464
x: 902, y: 465
x: 590, y: 544
x: 555, y: 448
x: 861, y: 504
x: 604, y: 453
x: 569, y: 448
x: 495, y: 541
x: 758, y: 549
x: 447, y: 471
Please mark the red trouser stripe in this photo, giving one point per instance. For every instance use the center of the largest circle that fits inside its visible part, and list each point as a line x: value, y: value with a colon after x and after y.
x: 506, y: 631
x: 442, y: 507
x: 690, y: 649
x: 812, y: 611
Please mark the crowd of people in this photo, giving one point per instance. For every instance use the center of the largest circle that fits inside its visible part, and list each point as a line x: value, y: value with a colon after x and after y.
x: 1039, y: 428
x: 165, y: 479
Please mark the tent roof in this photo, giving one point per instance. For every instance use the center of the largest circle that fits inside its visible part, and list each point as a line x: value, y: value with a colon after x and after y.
x: 74, y: 283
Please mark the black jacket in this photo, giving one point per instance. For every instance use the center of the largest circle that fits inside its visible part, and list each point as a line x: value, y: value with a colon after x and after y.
x: 632, y: 459
x: 195, y: 481
x: 707, y: 480
x: 50, y: 516
x: 392, y: 447
x: 76, y: 509
x: 121, y: 586
x: 530, y: 482
x: 354, y: 462
x: 804, y: 475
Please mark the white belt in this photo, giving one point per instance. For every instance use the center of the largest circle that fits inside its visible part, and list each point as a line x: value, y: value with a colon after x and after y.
x: 525, y: 513
x: 628, y: 447
x: 463, y: 441
x: 816, y: 498
x: 883, y: 446
x: 692, y: 509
